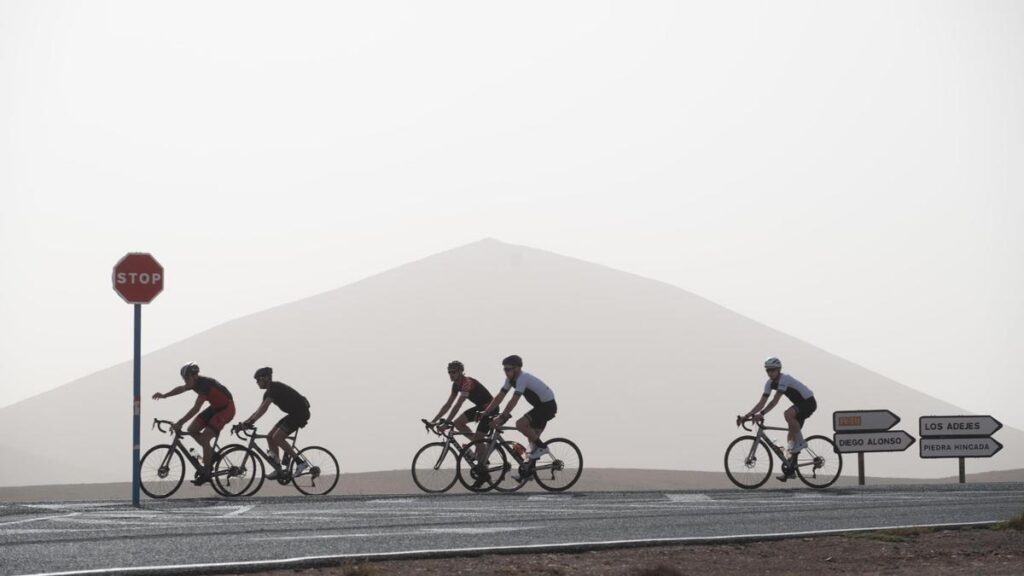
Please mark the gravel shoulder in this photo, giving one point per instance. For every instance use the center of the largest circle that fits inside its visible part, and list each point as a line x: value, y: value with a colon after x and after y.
x: 988, y: 551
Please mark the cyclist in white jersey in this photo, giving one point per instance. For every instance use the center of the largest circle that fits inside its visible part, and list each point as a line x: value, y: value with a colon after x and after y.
x: 537, y: 394
x: 803, y: 406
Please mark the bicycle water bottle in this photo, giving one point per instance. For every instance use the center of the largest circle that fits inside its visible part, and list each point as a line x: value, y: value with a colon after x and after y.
x: 519, y: 449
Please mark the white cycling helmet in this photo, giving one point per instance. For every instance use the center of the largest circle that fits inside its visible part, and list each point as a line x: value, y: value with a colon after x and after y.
x: 773, y: 362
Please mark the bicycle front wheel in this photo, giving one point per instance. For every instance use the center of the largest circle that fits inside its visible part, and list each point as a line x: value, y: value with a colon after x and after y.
x: 483, y: 475
x: 161, y: 471
x: 820, y: 464
x: 561, y: 467
x: 435, y: 468
x: 321, y: 475
x: 235, y: 470
x: 748, y: 462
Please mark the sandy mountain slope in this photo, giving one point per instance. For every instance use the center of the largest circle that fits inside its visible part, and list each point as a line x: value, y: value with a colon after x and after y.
x: 646, y: 374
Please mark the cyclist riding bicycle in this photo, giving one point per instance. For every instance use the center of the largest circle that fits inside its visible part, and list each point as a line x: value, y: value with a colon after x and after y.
x: 531, y: 425
x: 296, y: 415
x: 209, y: 422
x: 803, y: 406
x: 464, y: 387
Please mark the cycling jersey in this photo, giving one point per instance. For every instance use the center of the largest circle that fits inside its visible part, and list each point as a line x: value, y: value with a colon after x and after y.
x: 213, y: 392
x: 791, y: 387
x: 474, y: 390
x: 531, y: 387
x: 286, y: 398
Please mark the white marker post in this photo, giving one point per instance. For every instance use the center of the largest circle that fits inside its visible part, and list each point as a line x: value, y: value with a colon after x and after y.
x: 137, y: 278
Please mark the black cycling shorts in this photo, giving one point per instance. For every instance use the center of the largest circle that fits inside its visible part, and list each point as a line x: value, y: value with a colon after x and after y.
x: 292, y: 422
x: 472, y: 414
x: 804, y: 409
x: 542, y: 414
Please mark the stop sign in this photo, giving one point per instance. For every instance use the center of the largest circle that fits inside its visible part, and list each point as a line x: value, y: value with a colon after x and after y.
x: 138, y: 278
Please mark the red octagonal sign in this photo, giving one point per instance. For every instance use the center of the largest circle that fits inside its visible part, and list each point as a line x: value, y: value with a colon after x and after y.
x: 138, y: 278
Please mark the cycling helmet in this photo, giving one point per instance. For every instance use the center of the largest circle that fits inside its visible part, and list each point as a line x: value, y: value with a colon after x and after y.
x: 190, y: 369
x: 773, y: 362
x: 455, y: 365
x: 513, y: 360
x: 265, y: 371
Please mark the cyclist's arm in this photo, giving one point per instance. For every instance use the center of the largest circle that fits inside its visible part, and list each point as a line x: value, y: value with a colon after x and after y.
x: 455, y: 409
x: 495, y: 402
x: 760, y: 403
x: 447, y: 403
x: 173, y: 392
x: 259, y: 412
x: 191, y: 413
x: 768, y: 408
x: 511, y: 404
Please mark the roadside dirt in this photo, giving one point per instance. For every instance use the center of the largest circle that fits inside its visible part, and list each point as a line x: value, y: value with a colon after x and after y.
x: 911, y: 552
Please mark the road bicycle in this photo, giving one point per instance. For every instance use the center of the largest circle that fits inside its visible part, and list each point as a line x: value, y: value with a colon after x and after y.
x: 748, y: 459
x: 435, y: 465
x: 244, y: 465
x: 162, y: 467
x: 489, y: 463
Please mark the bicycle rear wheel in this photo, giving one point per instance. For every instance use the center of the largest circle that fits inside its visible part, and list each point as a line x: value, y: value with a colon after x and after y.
x: 820, y: 464
x: 561, y: 467
x: 235, y: 470
x: 748, y: 462
x: 482, y: 477
x: 322, y: 474
x: 161, y: 470
x: 435, y: 468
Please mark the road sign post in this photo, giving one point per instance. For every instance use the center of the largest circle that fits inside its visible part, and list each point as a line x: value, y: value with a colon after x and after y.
x: 958, y: 437
x: 863, y: 431
x: 137, y: 278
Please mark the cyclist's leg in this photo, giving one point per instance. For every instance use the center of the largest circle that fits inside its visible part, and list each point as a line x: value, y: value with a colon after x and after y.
x: 197, y: 428
x: 214, y: 424
x: 461, y: 422
x: 791, y: 415
x: 278, y: 438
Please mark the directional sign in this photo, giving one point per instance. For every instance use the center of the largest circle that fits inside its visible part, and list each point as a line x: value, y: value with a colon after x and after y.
x: 957, y: 426
x: 863, y: 420
x: 959, y: 447
x: 892, y: 441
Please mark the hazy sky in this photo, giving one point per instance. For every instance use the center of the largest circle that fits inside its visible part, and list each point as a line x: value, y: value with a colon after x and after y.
x: 849, y: 173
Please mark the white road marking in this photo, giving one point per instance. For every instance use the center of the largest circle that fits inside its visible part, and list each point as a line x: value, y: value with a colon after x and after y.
x: 688, y: 497
x: 39, y: 519
x: 299, y: 561
x: 481, y: 530
x: 239, y: 511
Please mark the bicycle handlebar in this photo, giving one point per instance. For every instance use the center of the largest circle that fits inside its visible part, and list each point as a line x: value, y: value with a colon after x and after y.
x: 164, y: 426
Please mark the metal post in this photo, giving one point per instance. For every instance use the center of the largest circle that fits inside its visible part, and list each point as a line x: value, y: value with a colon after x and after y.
x: 963, y: 479
x: 137, y: 386
x: 860, y: 468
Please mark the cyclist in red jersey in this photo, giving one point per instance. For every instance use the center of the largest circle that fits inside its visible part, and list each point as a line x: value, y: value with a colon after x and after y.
x: 209, y: 422
x: 463, y: 388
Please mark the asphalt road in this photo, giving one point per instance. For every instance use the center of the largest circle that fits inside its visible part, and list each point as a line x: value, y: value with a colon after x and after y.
x: 182, y: 535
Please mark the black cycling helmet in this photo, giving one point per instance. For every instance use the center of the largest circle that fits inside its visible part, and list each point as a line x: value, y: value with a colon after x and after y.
x: 513, y: 360
x: 265, y: 371
x: 455, y: 365
x: 190, y: 369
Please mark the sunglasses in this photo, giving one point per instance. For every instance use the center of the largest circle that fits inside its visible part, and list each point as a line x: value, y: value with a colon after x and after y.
x: 453, y: 371
x: 508, y: 368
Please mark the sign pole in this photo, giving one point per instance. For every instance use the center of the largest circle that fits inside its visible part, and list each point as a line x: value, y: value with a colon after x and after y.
x: 860, y: 468
x: 137, y: 393
x: 963, y: 477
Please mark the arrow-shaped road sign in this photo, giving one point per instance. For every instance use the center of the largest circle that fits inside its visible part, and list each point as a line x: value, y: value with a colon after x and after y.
x: 959, y: 447
x: 891, y: 441
x: 956, y: 426
x: 863, y: 420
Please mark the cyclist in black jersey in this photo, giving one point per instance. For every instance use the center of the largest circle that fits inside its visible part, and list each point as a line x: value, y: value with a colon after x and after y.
x: 296, y: 415
x: 463, y: 388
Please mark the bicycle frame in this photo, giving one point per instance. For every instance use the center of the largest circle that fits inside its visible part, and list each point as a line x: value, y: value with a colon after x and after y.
x: 179, y: 446
x: 252, y: 445
x: 762, y: 436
